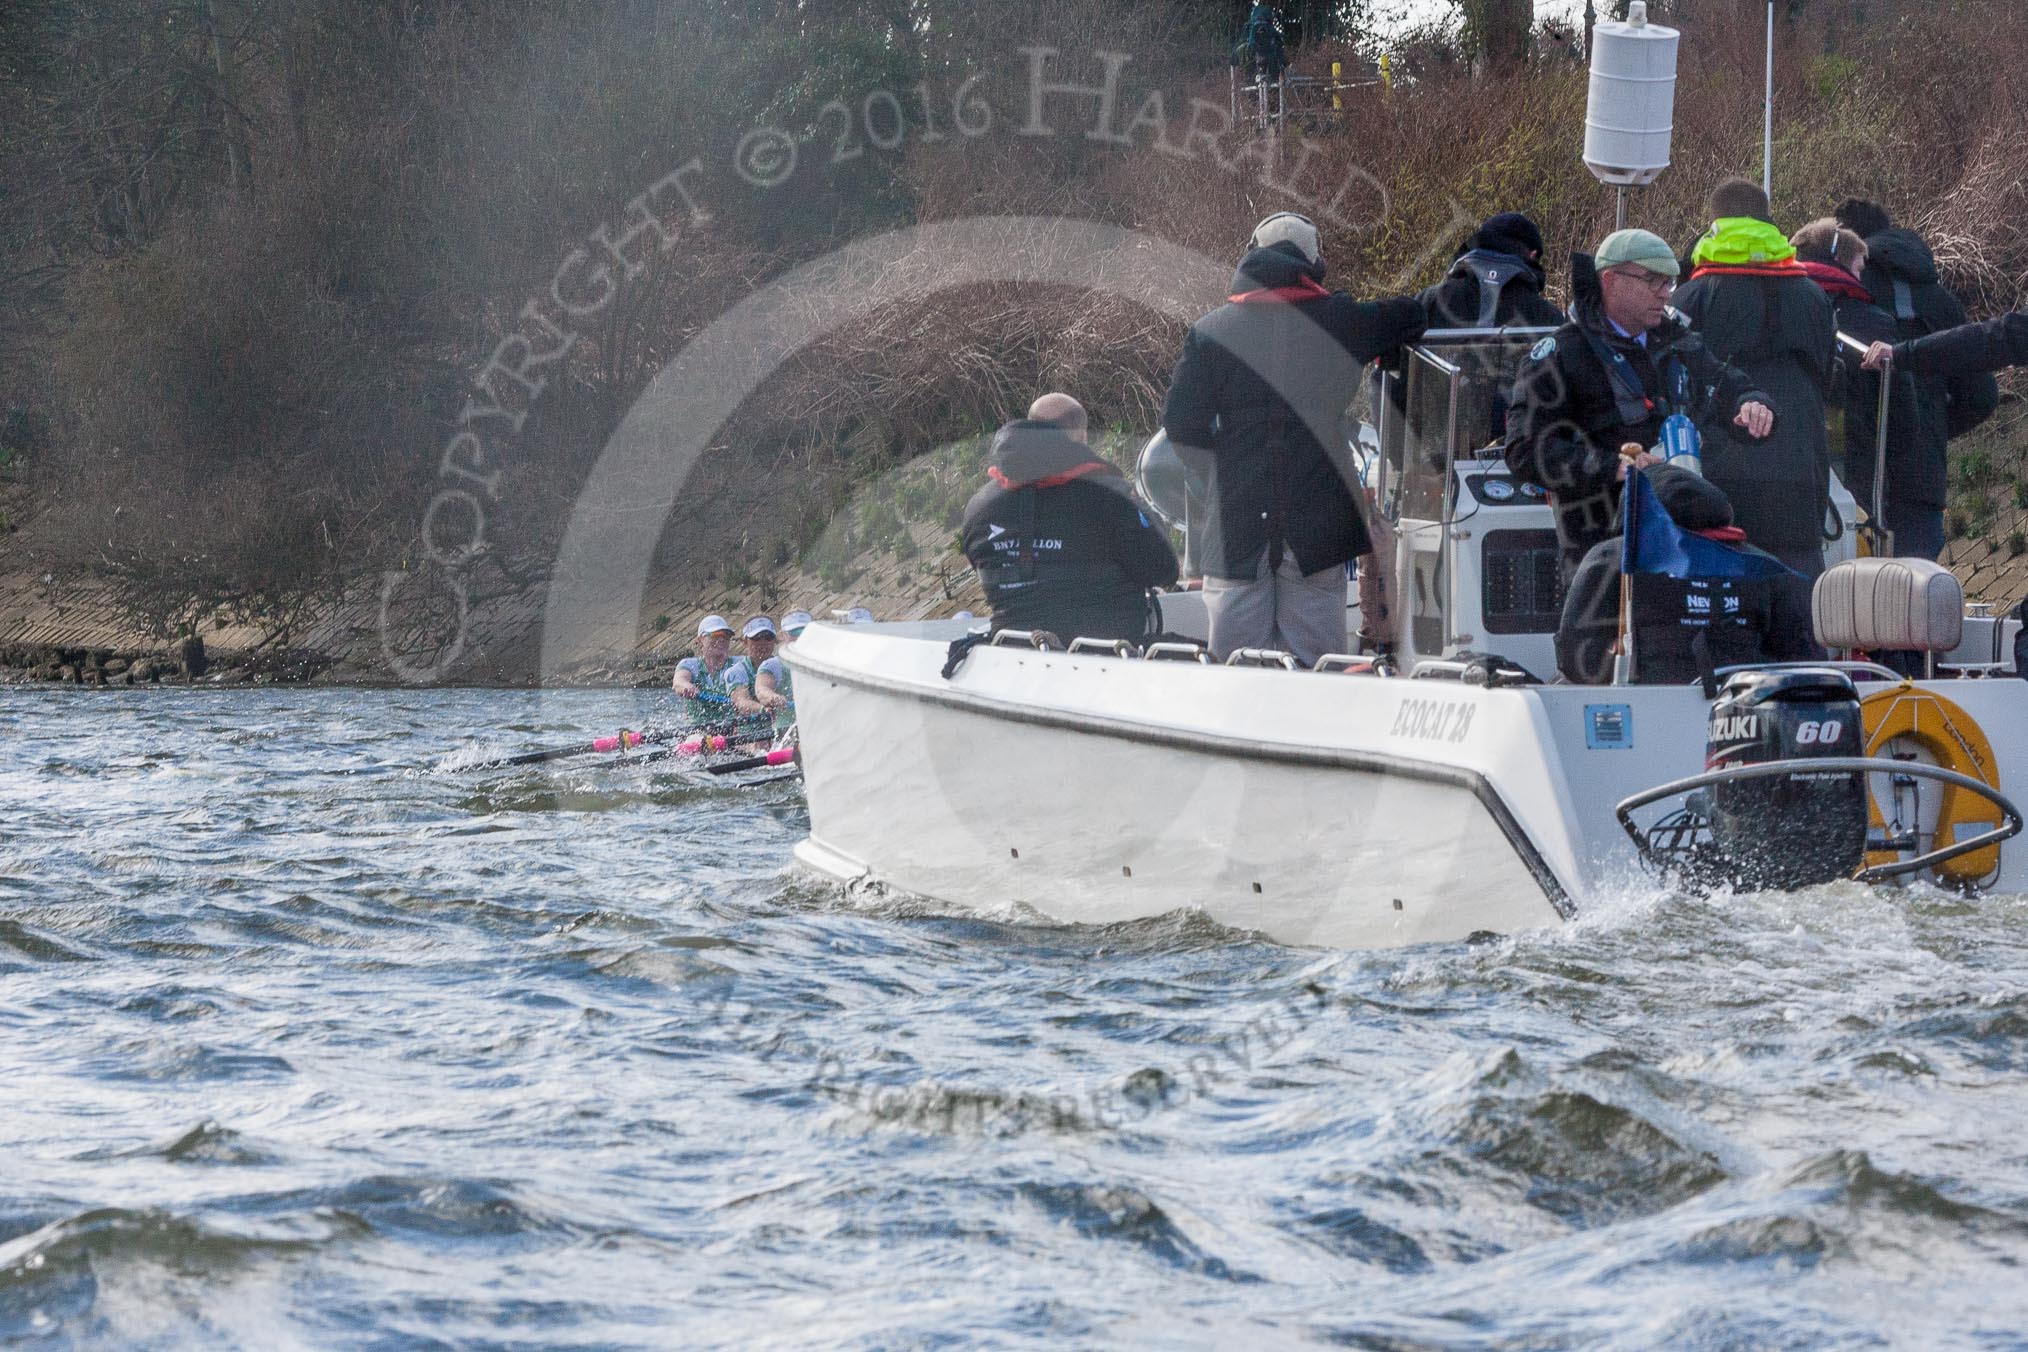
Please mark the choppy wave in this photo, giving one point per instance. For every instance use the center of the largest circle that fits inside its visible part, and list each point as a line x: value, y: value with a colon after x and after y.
x: 317, y: 1033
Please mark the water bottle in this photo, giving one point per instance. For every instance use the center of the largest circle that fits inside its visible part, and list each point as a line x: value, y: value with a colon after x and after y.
x: 1680, y: 445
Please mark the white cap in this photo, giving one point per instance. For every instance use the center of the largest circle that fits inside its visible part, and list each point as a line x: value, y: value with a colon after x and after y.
x: 964, y: 615
x: 712, y: 624
x: 758, y: 625
x: 1286, y: 227
x: 856, y: 615
x: 795, y: 620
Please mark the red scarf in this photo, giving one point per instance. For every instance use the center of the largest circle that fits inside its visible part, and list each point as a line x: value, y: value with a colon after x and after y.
x: 1054, y: 480
x: 1837, y: 281
x: 1788, y: 267
x: 1306, y: 289
x: 1725, y: 535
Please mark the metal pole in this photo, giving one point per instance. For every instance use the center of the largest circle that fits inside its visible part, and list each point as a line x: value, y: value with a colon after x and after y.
x: 1767, y: 121
x: 1883, y: 537
x: 1620, y: 207
x: 1886, y: 536
x: 1623, y: 649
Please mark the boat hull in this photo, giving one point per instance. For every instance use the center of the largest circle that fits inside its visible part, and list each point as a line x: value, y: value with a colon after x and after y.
x: 968, y: 794
x: 1347, y: 811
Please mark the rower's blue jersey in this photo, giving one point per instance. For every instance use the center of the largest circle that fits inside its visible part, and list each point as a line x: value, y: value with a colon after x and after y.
x: 714, y: 701
x: 779, y: 669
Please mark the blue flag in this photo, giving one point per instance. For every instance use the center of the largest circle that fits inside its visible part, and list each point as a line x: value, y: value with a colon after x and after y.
x: 1651, y: 542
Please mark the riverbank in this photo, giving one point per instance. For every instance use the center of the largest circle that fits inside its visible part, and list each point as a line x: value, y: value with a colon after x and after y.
x: 83, y: 630
x: 886, y: 542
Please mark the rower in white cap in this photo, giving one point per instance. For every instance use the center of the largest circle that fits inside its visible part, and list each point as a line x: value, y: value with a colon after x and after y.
x: 705, y: 681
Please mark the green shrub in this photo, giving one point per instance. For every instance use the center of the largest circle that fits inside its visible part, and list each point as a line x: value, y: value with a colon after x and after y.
x: 1833, y: 75
x: 1974, y: 467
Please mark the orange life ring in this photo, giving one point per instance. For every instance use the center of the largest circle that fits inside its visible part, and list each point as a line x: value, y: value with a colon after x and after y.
x: 1953, y: 740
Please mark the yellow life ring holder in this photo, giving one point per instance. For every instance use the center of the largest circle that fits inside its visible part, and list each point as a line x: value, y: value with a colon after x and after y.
x: 1954, y: 739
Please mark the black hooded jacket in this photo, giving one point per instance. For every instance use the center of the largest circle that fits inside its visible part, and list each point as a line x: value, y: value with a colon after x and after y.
x: 1058, y: 541
x: 1490, y: 269
x: 1567, y: 420
x: 1777, y: 328
x: 1857, y: 392
x: 1901, y: 274
x: 1993, y: 345
x: 1256, y: 410
x: 1740, y: 619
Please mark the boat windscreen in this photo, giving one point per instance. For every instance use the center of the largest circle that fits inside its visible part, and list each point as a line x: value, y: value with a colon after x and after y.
x: 1454, y: 400
x: 1486, y: 371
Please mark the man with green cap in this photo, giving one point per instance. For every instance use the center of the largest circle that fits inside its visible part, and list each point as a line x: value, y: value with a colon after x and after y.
x: 1612, y: 375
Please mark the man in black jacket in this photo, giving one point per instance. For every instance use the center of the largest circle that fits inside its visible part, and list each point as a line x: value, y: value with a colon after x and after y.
x: 1834, y: 257
x: 1757, y: 309
x: 1733, y: 620
x: 1609, y: 377
x: 1056, y: 536
x: 1496, y: 280
x: 1901, y: 275
x: 1993, y: 345
x: 1255, y: 410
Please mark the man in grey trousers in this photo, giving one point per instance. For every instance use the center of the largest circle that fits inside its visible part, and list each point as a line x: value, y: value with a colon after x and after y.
x: 1255, y: 410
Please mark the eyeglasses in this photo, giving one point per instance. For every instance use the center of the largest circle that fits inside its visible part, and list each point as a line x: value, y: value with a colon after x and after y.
x: 1660, y: 283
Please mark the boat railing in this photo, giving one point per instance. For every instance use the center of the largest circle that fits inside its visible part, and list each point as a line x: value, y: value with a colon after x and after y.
x: 1876, y: 527
x: 1851, y: 668
x: 1488, y: 670
x: 1116, y: 647
x: 1177, y: 652
x: 1367, y: 665
x: 2008, y: 827
x: 1263, y: 657
x: 1039, y: 639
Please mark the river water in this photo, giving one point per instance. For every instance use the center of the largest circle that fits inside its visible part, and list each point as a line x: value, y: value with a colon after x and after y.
x: 309, y: 1038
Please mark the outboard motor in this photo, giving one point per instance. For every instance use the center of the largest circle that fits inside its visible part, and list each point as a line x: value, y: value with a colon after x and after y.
x: 1794, y: 829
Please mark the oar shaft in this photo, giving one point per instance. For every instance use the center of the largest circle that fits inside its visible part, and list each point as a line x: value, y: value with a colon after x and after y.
x: 626, y: 740
x: 780, y: 756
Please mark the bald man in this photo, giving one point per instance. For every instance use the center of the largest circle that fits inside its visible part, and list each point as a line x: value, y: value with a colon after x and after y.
x: 1056, y: 535
x: 1066, y: 413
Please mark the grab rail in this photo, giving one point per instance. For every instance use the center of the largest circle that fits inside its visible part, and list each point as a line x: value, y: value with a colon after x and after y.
x: 1379, y: 666
x: 1039, y: 639
x: 1176, y: 652
x: 1118, y: 647
x: 1263, y: 657
x: 2009, y: 827
x: 1863, y: 668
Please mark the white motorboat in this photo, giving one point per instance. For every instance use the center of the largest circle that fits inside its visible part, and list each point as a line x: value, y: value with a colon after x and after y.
x: 1342, y: 807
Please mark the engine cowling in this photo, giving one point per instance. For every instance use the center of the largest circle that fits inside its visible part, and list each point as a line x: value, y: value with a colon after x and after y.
x: 1802, y: 827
